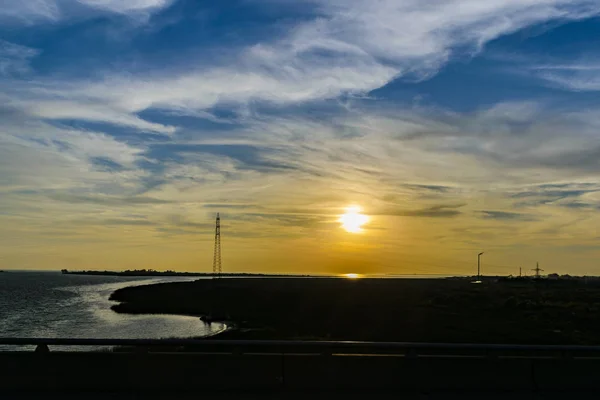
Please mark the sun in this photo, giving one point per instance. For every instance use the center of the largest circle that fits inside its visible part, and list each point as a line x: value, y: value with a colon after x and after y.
x: 352, y: 220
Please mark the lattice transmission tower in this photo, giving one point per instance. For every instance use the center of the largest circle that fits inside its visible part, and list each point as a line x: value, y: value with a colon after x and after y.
x: 217, y: 254
x: 537, y: 270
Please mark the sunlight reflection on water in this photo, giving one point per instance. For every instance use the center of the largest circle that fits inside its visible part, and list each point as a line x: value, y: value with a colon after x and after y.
x: 59, y: 308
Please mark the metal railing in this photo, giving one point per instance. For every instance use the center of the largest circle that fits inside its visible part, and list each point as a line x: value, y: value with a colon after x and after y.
x: 410, y: 349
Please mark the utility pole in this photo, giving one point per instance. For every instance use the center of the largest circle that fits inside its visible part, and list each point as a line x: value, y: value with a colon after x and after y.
x: 537, y: 270
x: 520, y: 272
x: 479, y: 266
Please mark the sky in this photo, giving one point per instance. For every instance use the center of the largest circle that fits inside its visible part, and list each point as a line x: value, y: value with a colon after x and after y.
x: 455, y: 127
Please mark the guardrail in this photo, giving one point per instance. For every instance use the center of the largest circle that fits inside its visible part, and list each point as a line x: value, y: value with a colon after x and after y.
x: 197, y: 364
x: 412, y: 349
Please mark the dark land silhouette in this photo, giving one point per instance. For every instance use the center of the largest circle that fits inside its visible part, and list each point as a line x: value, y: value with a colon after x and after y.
x: 152, y: 272
x: 512, y: 311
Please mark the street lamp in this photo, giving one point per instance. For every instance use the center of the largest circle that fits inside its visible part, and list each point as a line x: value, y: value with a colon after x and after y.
x: 479, y: 266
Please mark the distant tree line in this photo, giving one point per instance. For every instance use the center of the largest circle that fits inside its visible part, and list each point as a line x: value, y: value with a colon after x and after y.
x: 153, y: 272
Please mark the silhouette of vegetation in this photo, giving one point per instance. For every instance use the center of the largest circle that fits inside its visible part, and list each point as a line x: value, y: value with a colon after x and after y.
x: 422, y: 310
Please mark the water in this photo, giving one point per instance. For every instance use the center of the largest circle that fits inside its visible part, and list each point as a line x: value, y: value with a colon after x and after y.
x: 53, y: 305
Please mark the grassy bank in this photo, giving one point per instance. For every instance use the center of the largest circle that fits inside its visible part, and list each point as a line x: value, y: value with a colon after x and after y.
x: 425, y: 310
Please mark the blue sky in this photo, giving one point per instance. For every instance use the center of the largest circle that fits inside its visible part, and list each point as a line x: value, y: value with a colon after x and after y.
x: 463, y: 124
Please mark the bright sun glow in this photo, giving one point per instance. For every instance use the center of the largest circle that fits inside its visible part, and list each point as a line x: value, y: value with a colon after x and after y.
x: 353, y: 220
x: 352, y: 276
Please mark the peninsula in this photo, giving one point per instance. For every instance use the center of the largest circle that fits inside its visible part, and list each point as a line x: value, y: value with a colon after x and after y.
x: 512, y: 311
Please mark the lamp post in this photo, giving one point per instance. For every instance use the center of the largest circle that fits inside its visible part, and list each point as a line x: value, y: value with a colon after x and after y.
x: 479, y: 266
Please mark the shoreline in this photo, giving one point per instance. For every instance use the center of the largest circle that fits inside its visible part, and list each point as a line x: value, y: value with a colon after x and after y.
x: 229, y: 326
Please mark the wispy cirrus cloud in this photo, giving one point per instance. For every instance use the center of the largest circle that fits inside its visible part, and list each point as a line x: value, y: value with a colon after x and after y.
x: 44, y: 11
x: 158, y: 133
x: 318, y: 154
x: 127, y: 6
x: 57, y: 109
x: 435, y: 211
x: 106, y: 200
x: 348, y: 48
x: 578, y: 77
x: 326, y: 168
x: 507, y: 216
x: 14, y: 58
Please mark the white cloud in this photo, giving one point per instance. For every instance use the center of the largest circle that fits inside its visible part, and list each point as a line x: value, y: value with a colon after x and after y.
x: 416, y: 35
x: 387, y: 160
x: 14, y: 58
x: 391, y: 161
x: 120, y: 6
x: 97, y: 112
x: 353, y: 47
x: 362, y: 156
x: 201, y: 90
x: 39, y: 156
x: 36, y: 11
x: 29, y: 11
x: 357, y: 46
x: 580, y: 77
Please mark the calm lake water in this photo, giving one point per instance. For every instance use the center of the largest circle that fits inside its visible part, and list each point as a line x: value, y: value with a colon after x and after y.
x: 52, y: 305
